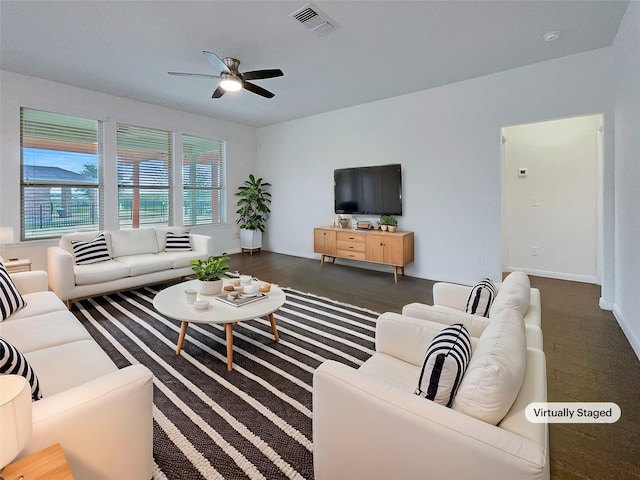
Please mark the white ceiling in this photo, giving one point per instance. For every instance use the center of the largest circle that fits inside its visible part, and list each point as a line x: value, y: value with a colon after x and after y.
x: 380, y: 50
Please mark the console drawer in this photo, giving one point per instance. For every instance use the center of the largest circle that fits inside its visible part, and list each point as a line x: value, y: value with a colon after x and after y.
x: 351, y: 246
x: 350, y: 254
x: 351, y: 237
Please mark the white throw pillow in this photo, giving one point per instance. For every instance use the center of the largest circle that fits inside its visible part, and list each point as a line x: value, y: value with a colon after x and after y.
x: 136, y: 241
x: 496, y: 370
x: 514, y: 292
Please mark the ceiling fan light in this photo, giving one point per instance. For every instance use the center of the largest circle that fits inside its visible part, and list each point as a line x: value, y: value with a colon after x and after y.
x: 231, y: 84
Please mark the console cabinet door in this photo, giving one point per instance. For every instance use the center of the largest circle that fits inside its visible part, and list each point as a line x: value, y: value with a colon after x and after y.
x: 324, y: 242
x: 385, y: 249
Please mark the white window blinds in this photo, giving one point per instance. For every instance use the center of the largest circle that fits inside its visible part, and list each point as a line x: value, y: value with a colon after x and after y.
x: 144, y: 176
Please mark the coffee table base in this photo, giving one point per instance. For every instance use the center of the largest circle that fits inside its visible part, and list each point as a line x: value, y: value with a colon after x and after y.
x: 228, y: 330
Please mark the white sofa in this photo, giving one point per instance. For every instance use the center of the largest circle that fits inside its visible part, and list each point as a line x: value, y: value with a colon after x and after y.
x: 100, y: 415
x: 138, y: 257
x: 368, y: 423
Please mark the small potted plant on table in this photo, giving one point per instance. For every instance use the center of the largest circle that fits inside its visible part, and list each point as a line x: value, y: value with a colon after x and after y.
x: 210, y: 273
x: 388, y: 222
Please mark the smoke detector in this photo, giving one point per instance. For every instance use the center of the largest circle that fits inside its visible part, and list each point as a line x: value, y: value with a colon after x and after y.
x: 314, y: 20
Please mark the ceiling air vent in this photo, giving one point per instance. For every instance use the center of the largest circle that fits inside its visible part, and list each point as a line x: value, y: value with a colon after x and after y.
x: 313, y: 19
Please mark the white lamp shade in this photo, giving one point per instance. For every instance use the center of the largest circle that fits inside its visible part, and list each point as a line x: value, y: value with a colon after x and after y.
x: 6, y: 235
x: 15, y: 416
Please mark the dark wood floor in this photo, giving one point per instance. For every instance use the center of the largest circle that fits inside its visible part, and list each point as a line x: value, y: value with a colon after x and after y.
x: 588, y: 356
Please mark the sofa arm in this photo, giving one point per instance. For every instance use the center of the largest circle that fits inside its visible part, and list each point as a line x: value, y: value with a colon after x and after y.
x: 30, y: 282
x: 105, y: 426
x: 475, y: 324
x: 404, y: 338
x: 62, y: 278
x: 202, y: 244
x: 451, y: 295
x: 365, y: 428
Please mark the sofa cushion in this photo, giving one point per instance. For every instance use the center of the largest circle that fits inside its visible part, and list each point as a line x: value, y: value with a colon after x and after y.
x: 134, y: 241
x: 38, y: 303
x: 496, y: 370
x: 10, y: 299
x: 444, y: 365
x: 514, y: 292
x: 13, y: 362
x: 481, y: 297
x: 42, y: 331
x: 144, y: 263
x: 177, y: 243
x: 180, y: 259
x: 100, y: 272
x: 92, y: 251
x: 63, y: 367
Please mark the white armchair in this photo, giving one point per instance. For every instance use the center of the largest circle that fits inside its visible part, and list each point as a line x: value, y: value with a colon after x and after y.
x: 369, y: 424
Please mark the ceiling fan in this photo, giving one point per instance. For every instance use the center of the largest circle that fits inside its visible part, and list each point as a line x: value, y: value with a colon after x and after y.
x: 231, y: 80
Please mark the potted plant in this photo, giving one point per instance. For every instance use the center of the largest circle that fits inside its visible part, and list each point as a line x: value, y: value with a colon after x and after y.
x: 388, y: 222
x: 210, y: 273
x: 253, y: 210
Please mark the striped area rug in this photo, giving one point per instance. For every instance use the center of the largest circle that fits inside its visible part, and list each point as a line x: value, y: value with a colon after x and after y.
x: 253, y: 422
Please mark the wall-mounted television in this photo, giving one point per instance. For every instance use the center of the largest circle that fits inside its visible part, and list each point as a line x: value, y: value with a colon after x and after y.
x: 374, y: 190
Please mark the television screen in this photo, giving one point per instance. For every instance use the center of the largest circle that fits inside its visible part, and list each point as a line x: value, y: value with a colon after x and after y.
x: 375, y: 190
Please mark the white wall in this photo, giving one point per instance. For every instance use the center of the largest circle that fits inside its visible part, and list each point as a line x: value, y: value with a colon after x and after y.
x: 448, y: 141
x: 21, y: 91
x: 553, y: 207
x: 627, y: 165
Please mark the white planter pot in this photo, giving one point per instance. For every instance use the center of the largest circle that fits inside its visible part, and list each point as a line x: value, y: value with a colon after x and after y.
x: 250, y: 239
x: 213, y: 287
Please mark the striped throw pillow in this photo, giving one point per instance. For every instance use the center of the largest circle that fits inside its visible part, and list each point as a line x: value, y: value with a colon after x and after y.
x: 444, y: 365
x: 13, y: 362
x: 481, y: 298
x: 90, y: 252
x: 10, y: 299
x: 177, y: 243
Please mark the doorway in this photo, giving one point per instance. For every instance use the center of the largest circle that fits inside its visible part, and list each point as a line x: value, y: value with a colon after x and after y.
x: 552, y: 198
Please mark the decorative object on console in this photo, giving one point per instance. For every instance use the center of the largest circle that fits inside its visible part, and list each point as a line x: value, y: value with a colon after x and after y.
x: 388, y: 222
x: 481, y: 298
x: 15, y: 417
x: 444, y: 365
x: 210, y: 273
x: 344, y: 222
x: 253, y: 211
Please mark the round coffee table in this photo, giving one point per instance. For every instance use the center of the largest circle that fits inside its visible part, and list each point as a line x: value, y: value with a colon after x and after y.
x: 172, y: 302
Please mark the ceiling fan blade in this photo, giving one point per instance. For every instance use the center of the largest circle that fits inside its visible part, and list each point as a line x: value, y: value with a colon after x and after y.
x: 256, y: 89
x: 218, y: 93
x: 216, y: 61
x: 184, y: 74
x: 260, y: 74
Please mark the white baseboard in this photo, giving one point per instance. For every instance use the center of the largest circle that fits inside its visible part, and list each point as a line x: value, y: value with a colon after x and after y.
x: 633, y: 338
x: 605, y: 304
x: 557, y: 275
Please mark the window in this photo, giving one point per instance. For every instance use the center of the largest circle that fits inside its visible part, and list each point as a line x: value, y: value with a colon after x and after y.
x: 144, y: 176
x: 203, y: 179
x: 60, y: 161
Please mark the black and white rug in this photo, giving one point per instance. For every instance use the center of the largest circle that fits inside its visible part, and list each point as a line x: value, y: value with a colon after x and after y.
x: 253, y: 422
